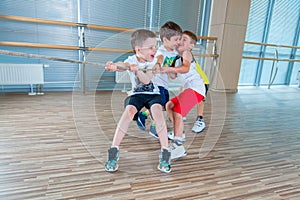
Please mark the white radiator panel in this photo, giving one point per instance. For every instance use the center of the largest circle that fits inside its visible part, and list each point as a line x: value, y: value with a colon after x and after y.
x: 21, y: 74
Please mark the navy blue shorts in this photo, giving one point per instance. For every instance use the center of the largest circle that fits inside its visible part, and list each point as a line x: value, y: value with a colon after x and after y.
x: 165, y: 97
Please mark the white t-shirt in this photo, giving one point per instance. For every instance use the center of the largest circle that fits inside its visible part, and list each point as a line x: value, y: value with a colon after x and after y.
x: 137, y: 86
x: 169, y: 57
x: 191, y: 79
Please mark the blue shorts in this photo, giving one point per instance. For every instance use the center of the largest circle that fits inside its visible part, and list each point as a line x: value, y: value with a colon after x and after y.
x: 164, y: 93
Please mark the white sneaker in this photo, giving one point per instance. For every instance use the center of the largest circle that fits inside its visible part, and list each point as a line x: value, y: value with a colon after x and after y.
x: 171, y: 135
x: 199, y: 126
x: 177, y: 151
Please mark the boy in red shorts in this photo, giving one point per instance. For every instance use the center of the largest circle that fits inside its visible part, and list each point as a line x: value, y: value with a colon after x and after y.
x: 193, y: 92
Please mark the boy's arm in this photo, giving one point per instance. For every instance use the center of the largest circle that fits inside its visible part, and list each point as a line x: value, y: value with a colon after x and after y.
x: 160, y: 59
x: 144, y: 77
x: 187, y: 58
x: 118, y: 66
x: 157, y: 66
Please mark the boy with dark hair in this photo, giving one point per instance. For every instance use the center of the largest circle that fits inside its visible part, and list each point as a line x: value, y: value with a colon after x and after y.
x: 170, y: 34
x: 193, y: 92
x: 199, y: 124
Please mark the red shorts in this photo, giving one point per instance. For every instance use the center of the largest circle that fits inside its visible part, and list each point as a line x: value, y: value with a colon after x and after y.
x: 185, y: 101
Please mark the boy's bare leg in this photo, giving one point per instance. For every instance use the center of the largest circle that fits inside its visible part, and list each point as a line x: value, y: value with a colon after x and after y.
x: 178, y: 125
x: 161, y: 128
x: 200, y: 108
x: 176, y: 119
x: 199, y: 124
x: 111, y: 164
x: 123, y: 124
x: 169, y: 110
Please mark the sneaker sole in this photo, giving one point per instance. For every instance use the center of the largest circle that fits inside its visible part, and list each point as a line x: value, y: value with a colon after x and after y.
x: 164, y: 170
x: 170, y: 138
x: 141, y: 125
x: 183, y: 139
x: 150, y: 133
x: 184, y: 155
x: 110, y: 170
x: 198, y: 131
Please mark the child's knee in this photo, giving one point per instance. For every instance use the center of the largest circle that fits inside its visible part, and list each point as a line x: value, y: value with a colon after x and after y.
x: 178, y: 115
x: 131, y: 111
x: 169, y: 105
x: 156, y: 108
x: 157, y: 114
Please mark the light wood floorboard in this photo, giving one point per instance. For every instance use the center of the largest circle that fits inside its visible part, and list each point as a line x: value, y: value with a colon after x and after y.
x: 54, y: 147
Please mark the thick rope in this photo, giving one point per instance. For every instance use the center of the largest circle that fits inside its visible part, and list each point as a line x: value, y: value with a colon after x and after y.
x: 13, y: 53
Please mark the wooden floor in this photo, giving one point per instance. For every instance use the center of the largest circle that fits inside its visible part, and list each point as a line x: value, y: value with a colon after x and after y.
x: 54, y: 147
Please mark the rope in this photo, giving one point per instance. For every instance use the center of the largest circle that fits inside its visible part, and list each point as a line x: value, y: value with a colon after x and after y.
x: 12, y: 53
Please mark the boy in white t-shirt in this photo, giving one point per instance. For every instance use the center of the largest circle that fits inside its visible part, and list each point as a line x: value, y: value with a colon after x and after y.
x: 170, y: 34
x: 193, y: 92
x: 145, y: 93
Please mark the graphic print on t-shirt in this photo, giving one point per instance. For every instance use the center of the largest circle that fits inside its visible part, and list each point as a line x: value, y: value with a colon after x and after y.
x: 141, y: 87
x: 168, y: 62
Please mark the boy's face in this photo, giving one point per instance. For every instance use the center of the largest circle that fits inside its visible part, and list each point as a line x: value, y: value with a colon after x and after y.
x: 186, y: 43
x: 147, y: 52
x: 172, y: 43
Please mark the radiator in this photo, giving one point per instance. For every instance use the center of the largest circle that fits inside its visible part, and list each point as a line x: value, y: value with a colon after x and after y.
x: 22, y: 74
